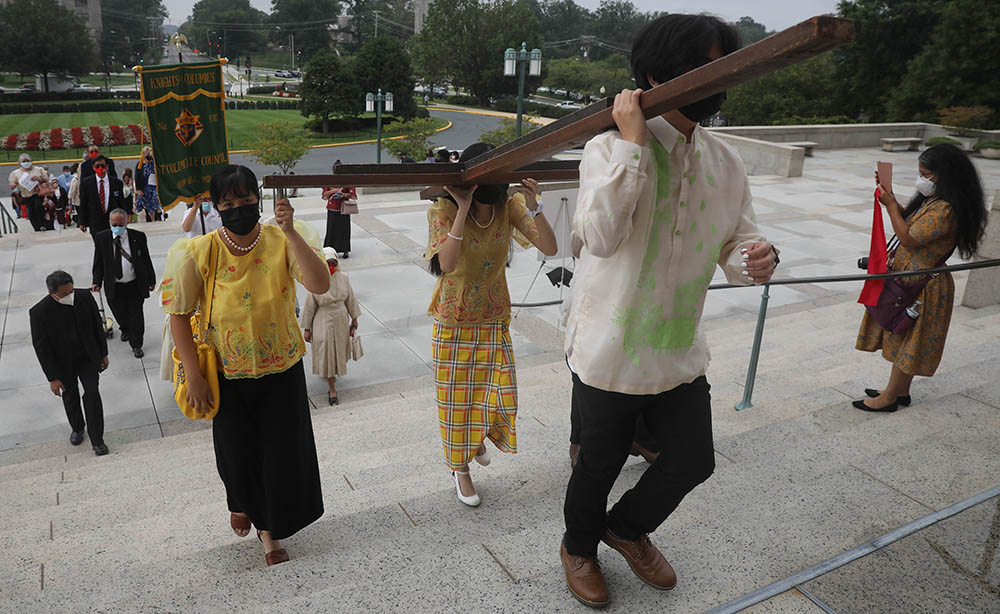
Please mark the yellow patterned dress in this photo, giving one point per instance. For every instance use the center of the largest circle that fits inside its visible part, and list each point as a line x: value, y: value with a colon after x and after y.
x: 919, y: 350
x: 473, y: 355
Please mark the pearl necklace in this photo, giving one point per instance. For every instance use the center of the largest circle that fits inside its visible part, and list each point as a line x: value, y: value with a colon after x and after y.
x: 493, y: 212
x: 225, y: 234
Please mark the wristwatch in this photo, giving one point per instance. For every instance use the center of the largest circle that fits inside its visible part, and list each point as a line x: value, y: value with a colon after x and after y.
x: 537, y: 210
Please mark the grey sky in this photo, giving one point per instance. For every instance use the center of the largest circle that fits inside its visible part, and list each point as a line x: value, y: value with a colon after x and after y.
x: 775, y: 14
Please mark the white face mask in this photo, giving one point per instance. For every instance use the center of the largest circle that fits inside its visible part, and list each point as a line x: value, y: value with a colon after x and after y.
x: 66, y: 300
x: 26, y: 164
x: 925, y: 186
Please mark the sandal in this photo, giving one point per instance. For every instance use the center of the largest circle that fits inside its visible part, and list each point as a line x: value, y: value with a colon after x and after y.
x: 239, y: 523
x: 275, y: 556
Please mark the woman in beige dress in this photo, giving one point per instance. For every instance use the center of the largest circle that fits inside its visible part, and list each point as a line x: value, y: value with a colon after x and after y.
x: 328, y: 322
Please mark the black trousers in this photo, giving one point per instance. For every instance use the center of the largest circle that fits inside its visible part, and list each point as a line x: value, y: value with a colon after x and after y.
x: 642, y: 435
x: 36, y: 213
x: 88, y: 375
x: 127, y: 309
x: 338, y: 232
x: 265, y: 451
x: 681, y: 422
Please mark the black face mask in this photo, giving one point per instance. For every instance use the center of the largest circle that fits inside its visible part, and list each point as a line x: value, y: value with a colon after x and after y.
x: 704, y: 108
x: 240, y: 220
x: 494, y: 194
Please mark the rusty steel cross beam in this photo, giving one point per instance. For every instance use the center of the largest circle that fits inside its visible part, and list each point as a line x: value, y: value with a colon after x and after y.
x: 518, y: 159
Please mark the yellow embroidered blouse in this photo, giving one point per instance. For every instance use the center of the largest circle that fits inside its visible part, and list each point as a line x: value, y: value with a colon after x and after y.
x: 253, y: 326
x: 476, y: 291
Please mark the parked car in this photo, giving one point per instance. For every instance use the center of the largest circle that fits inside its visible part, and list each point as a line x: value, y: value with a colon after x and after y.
x: 281, y: 72
x: 559, y: 92
x: 440, y: 91
x: 569, y: 105
x: 294, y: 73
x: 27, y: 88
x: 84, y: 87
x: 544, y: 90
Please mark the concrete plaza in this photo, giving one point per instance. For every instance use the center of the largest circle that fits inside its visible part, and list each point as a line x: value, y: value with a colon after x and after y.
x: 801, y: 477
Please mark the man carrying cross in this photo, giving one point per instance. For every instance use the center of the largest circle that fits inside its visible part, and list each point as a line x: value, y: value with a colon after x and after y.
x: 661, y: 203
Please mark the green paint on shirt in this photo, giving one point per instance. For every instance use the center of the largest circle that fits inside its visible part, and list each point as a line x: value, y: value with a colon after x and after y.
x: 694, y: 226
x: 691, y: 178
x: 714, y: 229
x: 644, y: 323
x: 711, y: 180
x: 697, y: 154
x: 698, y: 248
x: 683, y: 204
x: 702, y: 206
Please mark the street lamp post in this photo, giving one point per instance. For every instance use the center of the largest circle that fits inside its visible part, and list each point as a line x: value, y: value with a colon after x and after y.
x: 374, y: 102
x: 511, y: 60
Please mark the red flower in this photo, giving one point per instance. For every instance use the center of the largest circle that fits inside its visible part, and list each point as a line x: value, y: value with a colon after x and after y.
x: 33, y: 138
x: 56, y: 139
x: 117, y: 135
x: 97, y: 135
x: 77, y: 136
x: 11, y: 142
x: 232, y: 269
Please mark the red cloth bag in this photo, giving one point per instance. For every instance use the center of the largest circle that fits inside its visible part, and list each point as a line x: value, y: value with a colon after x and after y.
x: 877, y: 259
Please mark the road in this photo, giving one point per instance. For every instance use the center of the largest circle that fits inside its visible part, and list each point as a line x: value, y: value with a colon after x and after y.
x: 465, y: 130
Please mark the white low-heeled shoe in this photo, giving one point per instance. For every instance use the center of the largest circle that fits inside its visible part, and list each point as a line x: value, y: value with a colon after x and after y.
x: 472, y: 501
x: 483, y: 458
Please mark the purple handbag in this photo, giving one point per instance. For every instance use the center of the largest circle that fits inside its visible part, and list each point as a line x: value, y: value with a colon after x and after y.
x: 890, y: 312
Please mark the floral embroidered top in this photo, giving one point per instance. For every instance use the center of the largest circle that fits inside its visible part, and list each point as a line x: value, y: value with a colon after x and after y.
x: 476, y: 291
x: 253, y: 329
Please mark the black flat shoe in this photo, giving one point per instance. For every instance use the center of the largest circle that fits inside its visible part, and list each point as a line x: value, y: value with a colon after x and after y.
x: 138, y: 353
x: 874, y: 394
x: 100, y: 449
x: 332, y: 400
x: 888, y: 408
x: 123, y: 336
x: 76, y: 438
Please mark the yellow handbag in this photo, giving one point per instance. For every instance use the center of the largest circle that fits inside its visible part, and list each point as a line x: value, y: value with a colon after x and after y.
x: 207, y: 360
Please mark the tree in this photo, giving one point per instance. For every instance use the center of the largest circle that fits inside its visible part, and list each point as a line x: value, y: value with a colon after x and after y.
x: 328, y: 88
x: 280, y: 144
x: 889, y: 33
x: 791, y: 95
x: 244, y: 36
x: 25, y: 49
x: 508, y: 131
x: 617, y: 22
x: 471, y: 36
x: 310, y: 38
x: 395, y: 18
x: 383, y: 63
x: 957, y: 67
x: 414, y: 141
x: 562, y: 20
x: 128, y: 26
x: 750, y: 31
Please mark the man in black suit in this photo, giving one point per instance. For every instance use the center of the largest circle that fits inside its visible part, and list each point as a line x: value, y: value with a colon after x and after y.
x: 123, y: 267
x: 99, y: 195
x: 87, y: 166
x: 68, y: 336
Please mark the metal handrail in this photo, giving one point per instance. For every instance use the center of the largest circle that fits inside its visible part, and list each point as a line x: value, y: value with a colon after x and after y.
x: 6, y: 221
x: 746, y: 401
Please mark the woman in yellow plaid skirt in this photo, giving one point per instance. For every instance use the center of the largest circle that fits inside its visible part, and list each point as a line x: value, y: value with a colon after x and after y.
x: 473, y: 356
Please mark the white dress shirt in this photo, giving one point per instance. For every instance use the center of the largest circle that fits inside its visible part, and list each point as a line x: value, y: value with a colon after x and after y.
x: 128, y: 271
x: 213, y: 222
x: 655, y: 221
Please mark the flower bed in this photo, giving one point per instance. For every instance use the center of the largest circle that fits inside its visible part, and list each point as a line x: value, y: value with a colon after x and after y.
x: 55, y: 139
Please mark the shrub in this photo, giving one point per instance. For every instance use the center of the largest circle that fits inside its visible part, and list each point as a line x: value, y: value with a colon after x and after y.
x: 938, y: 140
x: 986, y: 144
x: 963, y: 120
x: 468, y: 101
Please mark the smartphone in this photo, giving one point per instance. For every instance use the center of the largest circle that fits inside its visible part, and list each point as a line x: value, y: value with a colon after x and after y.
x: 885, y: 174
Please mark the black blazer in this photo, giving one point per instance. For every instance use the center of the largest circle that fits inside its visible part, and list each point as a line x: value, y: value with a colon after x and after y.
x: 91, y: 215
x: 49, y: 321
x: 87, y: 168
x: 104, y: 262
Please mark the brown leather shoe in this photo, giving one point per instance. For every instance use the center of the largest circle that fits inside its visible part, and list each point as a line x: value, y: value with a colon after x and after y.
x: 584, y: 578
x: 574, y: 454
x: 645, y: 560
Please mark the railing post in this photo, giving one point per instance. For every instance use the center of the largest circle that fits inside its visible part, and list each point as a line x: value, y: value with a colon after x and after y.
x: 747, y: 401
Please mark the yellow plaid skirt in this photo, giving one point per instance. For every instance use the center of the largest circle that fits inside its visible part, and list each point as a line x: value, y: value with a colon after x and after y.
x: 476, y: 388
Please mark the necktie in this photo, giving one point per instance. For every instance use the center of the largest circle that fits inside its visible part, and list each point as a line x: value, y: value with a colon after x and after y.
x: 100, y: 194
x: 118, y: 258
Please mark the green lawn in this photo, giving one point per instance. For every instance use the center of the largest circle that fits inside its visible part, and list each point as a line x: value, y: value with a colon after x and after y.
x: 241, y: 125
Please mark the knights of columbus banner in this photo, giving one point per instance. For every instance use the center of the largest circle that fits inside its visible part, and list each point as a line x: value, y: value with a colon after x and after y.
x: 186, y: 111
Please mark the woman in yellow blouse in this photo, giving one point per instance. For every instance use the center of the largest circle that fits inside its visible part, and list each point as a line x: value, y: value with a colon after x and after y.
x: 946, y: 214
x: 264, y: 446
x: 470, y: 236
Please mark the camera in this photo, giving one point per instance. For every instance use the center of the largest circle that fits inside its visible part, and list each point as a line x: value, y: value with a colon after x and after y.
x: 863, y: 263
